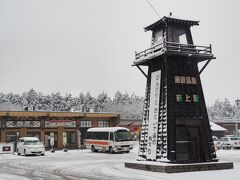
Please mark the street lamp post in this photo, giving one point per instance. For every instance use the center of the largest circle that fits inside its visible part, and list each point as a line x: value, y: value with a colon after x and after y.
x: 17, y: 135
x: 237, y: 101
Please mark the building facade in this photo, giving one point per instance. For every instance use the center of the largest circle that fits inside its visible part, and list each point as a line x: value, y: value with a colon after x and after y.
x: 232, y: 127
x: 16, y: 124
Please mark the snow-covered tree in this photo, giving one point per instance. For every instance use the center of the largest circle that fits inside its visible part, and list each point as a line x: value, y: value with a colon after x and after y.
x: 117, y: 98
x: 89, y: 102
x: 80, y: 102
x: 103, y: 102
x: 56, y: 102
x: 68, y: 102
x: 31, y: 98
x: 3, y: 98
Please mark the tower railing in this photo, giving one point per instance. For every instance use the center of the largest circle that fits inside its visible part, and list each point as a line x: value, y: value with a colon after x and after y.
x: 173, y: 48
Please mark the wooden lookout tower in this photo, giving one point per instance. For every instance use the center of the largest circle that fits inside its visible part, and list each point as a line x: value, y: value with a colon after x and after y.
x: 175, y: 125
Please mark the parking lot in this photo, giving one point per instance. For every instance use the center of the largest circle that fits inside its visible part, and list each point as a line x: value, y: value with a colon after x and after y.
x: 85, y: 165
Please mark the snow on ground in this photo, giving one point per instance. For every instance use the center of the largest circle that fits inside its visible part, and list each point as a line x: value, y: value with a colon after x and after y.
x: 85, y: 165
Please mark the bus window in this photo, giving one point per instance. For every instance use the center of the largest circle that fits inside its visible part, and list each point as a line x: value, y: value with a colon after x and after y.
x: 97, y: 135
x: 111, y: 136
x: 102, y: 135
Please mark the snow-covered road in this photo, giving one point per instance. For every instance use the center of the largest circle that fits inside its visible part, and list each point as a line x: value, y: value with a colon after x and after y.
x: 85, y: 165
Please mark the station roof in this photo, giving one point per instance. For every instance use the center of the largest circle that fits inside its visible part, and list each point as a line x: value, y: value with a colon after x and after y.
x: 171, y: 20
x: 57, y: 114
x: 215, y: 127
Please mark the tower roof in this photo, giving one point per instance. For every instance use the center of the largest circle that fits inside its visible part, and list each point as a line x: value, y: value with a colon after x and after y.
x: 171, y: 20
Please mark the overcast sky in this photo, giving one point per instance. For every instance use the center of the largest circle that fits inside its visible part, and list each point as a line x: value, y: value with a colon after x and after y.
x: 74, y: 46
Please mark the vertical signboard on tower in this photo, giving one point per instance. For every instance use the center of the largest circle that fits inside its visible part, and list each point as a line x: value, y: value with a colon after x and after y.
x: 153, y: 115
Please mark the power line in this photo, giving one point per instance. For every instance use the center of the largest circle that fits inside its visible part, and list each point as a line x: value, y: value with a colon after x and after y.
x: 153, y: 8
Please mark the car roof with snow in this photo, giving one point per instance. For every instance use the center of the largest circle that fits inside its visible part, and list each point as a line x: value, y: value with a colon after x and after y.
x: 101, y: 129
x: 30, y: 138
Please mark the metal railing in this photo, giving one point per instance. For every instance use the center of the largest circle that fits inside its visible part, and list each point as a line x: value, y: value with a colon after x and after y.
x: 172, y: 47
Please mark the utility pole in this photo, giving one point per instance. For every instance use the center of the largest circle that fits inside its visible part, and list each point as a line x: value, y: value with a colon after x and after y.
x: 237, y: 101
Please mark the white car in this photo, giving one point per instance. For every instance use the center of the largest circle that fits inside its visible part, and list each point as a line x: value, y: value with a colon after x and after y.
x: 230, y: 143
x: 30, y: 145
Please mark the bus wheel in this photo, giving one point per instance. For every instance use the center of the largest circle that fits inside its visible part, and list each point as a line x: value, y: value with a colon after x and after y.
x: 127, y: 151
x: 111, y: 150
x: 93, y: 149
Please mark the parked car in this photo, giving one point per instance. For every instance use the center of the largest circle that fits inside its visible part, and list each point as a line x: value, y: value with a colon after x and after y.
x: 216, y: 142
x: 30, y: 145
x: 230, y: 142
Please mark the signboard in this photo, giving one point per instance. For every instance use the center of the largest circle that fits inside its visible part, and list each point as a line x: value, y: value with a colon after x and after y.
x: 57, y: 123
x: 6, y: 148
x: 153, y: 115
x: 186, y: 97
x: 52, y: 139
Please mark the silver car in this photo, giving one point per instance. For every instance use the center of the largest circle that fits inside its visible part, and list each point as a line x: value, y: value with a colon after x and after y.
x: 230, y: 143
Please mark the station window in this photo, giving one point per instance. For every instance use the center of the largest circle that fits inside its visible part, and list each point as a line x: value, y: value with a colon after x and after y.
x: 86, y: 123
x: 34, y: 134
x: 11, y: 137
x: 71, y: 139
x: 103, y: 123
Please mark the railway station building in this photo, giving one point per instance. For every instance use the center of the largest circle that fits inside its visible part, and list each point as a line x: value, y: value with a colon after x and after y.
x: 17, y: 124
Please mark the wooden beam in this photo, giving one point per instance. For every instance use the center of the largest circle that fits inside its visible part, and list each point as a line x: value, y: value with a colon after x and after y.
x: 142, y: 71
x: 205, y: 65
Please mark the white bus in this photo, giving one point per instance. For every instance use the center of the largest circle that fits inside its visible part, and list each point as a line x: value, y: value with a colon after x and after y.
x: 112, y: 139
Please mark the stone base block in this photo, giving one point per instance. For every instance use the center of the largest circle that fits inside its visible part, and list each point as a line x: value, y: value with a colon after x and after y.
x: 176, y: 168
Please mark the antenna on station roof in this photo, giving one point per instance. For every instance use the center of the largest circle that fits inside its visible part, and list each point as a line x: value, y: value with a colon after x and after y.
x: 153, y: 8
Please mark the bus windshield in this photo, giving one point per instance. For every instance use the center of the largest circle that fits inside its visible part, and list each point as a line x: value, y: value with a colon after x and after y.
x: 122, y: 135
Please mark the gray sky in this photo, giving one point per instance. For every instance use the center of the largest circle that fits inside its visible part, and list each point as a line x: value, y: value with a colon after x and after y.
x: 74, y: 46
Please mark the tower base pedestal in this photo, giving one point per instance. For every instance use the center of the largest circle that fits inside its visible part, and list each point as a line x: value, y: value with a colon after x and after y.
x: 176, y: 168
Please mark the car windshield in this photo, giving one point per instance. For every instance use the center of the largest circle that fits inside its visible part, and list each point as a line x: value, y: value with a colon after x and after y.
x: 32, y: 142
x: 224, y: 139
x: 123, y: 135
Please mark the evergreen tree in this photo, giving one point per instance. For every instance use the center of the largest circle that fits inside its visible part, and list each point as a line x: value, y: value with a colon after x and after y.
x: 103, y: 102
x: 89, y: 102
x: 56, y: 102
x: 117, y: 98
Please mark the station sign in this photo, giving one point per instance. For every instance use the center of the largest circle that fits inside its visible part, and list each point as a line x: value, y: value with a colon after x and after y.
x: 153, y: 115
x: 58, y: 123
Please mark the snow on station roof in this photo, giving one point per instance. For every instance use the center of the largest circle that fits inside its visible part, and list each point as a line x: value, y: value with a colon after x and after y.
x: 215, y: 127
